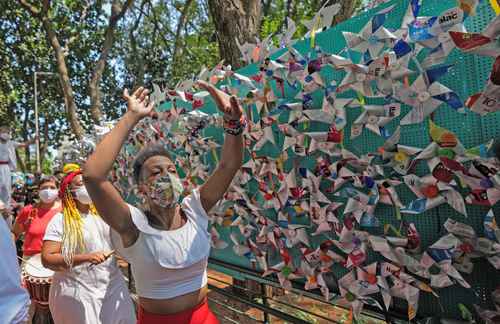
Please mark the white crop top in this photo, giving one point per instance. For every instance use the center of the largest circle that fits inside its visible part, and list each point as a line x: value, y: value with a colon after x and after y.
x: 167, y: 264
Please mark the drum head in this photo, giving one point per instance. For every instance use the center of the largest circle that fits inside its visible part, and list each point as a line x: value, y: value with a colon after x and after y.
x: 34, y: 268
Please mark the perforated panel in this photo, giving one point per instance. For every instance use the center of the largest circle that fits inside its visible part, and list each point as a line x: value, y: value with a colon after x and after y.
x: 468, y: 76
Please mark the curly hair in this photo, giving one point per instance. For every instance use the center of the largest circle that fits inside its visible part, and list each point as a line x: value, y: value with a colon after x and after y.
x: 157, y: 149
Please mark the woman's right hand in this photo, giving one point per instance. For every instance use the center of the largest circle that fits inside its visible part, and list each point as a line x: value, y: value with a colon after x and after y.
x: 138, y: 103
x: 96, y: 258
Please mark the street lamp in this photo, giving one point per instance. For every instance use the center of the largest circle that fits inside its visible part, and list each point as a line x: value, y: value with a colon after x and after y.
x: 37, y: 131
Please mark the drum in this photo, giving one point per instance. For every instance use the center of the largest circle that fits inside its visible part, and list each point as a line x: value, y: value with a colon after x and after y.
x: 37, y: 279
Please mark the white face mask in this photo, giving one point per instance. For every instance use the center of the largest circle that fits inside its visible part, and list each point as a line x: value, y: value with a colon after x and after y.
x: 83, y: 196
x: 48, y: 195
x: 5, y: 136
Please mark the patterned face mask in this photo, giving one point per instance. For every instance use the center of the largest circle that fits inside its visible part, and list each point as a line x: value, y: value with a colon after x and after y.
x: 165, y: 190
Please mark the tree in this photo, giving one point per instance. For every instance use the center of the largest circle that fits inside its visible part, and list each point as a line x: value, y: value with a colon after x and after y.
x: 346, y: 11
x: 144, y: 40
x: 235, y: 19
x: 168, y: 41
x: 275, y: 20
x: 60, y: 52
x: 117, y: 12
x: 246, y: 20
x: 102, y: 46
x: 23, y: 52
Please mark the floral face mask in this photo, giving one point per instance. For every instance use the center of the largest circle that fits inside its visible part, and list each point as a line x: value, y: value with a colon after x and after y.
x: 165, y: 190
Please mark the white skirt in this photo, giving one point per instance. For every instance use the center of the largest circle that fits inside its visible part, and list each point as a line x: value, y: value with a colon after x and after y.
x: 5, y: 184
x: 77, y: 305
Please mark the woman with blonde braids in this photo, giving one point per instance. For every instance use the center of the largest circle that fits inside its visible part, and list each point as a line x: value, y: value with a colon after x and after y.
x: 87, y: 286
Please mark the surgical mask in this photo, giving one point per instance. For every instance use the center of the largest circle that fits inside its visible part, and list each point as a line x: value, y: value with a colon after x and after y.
x: 5, y: 136
x: 48, y: 195
x: 82, y: 195
x: 166, y: 190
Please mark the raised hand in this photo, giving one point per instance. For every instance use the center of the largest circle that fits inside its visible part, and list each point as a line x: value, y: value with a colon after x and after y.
x: 138, y: 103
x: 228, y: 105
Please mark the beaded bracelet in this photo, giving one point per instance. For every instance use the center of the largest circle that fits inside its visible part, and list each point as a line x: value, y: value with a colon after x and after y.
x: 234, y: 126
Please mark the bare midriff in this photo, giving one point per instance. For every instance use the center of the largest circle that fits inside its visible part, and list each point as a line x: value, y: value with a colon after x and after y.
x: 174, y: 305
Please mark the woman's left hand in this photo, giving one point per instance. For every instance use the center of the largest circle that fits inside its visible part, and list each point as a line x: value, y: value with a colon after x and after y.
x: 228, y: 105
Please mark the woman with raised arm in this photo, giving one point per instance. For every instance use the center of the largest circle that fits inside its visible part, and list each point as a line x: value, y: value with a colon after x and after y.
x: 168, y: 244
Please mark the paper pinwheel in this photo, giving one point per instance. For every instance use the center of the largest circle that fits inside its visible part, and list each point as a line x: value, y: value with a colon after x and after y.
x: 253, y: 53
x: 485, y: 44
x: 440, y: 255
x: 314, y: 280
x: 444, y: 144
x: 372, y: 39
x: 391, y: 67
x: 398, y: 156
x: 359, y: 79
x: 322, y: 19
x: 375, y: 118
x: 285, y: 271
x: 425, y: 95
x: 431, y: 193
x: 355, y: 292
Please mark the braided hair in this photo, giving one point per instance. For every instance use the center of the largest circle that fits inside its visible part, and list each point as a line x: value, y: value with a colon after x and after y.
x: 72, y: 240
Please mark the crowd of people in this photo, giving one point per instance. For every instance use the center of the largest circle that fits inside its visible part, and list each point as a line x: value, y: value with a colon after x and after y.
x: 79, y: 225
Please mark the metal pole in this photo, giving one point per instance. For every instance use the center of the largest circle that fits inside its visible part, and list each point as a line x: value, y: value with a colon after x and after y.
x: 37, y: 128
x: 37, y: 135
x: 264, y: 301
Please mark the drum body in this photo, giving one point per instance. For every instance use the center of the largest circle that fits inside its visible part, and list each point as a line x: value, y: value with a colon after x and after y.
x: 37, y: 279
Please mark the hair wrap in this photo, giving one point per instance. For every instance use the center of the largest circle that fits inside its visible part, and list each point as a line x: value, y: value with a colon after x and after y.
x: 72, y: 241
x: 66, y: 181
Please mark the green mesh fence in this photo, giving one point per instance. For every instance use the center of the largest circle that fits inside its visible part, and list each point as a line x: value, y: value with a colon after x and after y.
x: 468, y: 76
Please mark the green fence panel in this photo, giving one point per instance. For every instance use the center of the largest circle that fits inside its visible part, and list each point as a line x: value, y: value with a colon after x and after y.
x: 467, y: 77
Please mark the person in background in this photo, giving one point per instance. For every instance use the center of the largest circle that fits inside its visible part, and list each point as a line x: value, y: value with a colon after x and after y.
x: 59, y: 174
x: 8, y: 162
x: 32, y: 220
x: 14, y: 299
x: 31, y: 189
x: 6, y: 214
x: 167, y: 244
x: 18, y: 196
x: 87, y: 286
x: 16, y: 205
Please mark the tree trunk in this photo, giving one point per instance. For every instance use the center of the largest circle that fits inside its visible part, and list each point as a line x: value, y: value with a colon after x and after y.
x: 69, y: 98
x: 139, y: 67
x: 117, y: 12
x: 27, y: 158
x: 177, y: 43
x: 235, y: 18
x: 45, y: 143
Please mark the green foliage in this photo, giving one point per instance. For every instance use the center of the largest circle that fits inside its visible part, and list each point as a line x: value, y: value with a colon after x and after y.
x: 24, y: 50
x: 274, y: 21
x: 143, y: 52
x: 149, y: 45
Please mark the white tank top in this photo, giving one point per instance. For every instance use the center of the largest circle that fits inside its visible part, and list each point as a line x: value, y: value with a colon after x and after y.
x: 167, y: 264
